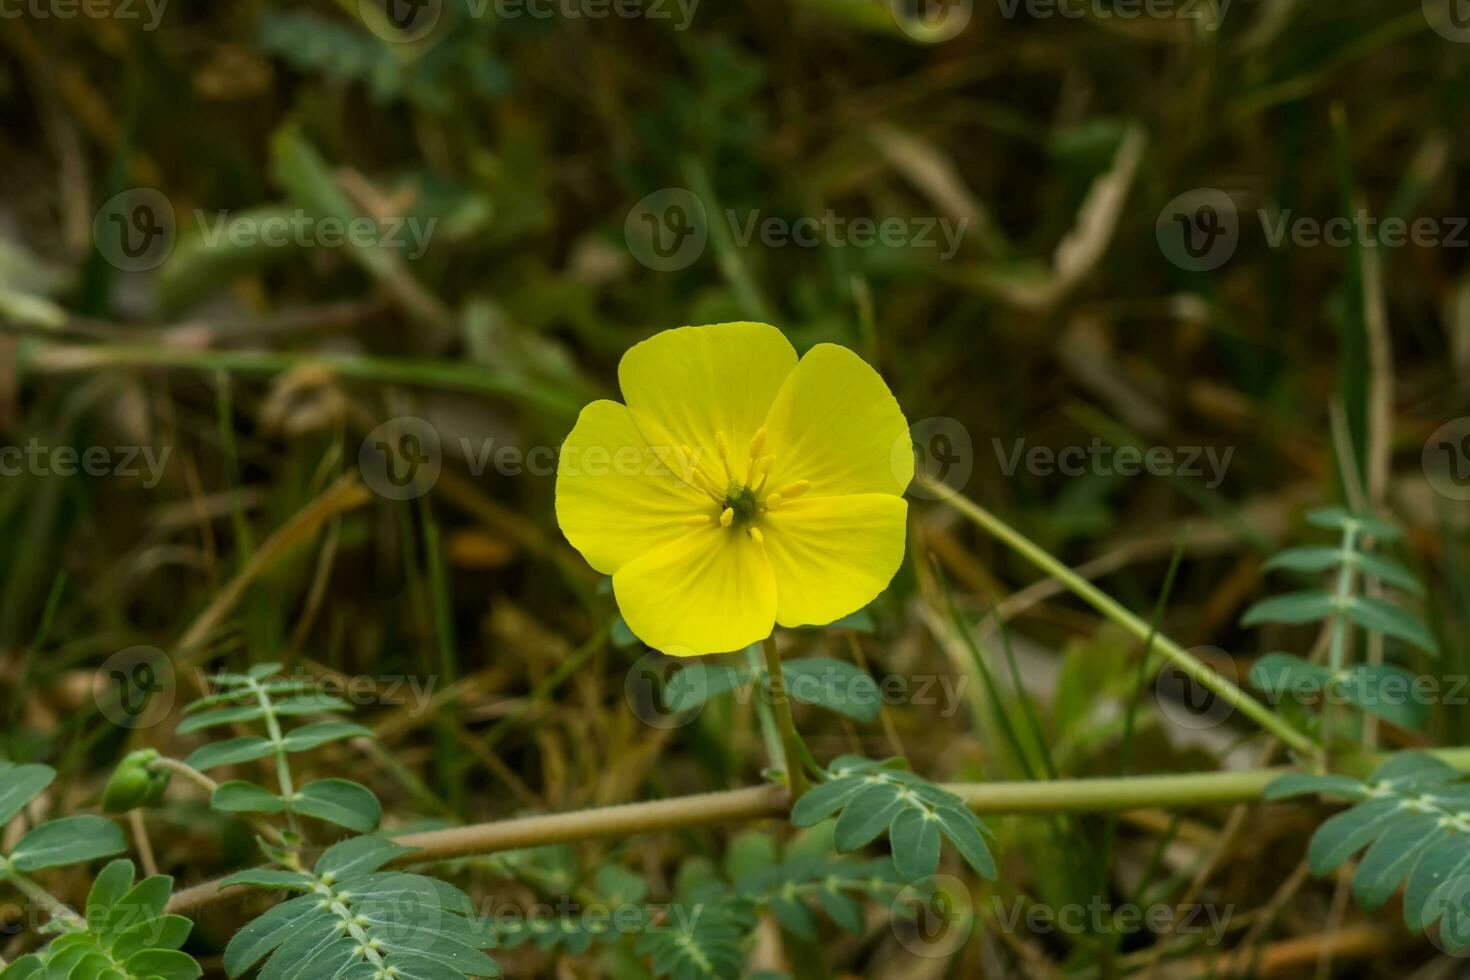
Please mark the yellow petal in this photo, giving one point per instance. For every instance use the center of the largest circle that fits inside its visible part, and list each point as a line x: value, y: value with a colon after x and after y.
x: 709, y: 592
x: 685, y: 386
x: 833, y: 555
x: 615, y: 498
x: 836, y: 424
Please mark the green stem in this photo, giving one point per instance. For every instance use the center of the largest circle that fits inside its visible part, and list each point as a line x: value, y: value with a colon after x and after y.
x: 39, y: 895
x: 770, y: 734
x: 785, y: 723
x: 1337, y: 651
x: 1223, y: 687
x: 278, y: 742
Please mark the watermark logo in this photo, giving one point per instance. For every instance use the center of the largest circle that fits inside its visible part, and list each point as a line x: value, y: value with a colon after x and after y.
x: 1105, y: 10
x: 934, y: 917
x: 1448, y: 906
x: 680, y: 12
x: 1446, y: 459
x: 135, y: 688
x: 657, y: 687
x: 407, y: 235
x: 1099, y: 458
x: 1186, y: 700
x: 402, y: 458
x: 1450, y: 19
x: 932, y: 21
x: 135, y: 230
x: 401, y: 21
x: 1199, y: 230
x: 667, y: 230
x: 38, y: 459
x: 944, y: 455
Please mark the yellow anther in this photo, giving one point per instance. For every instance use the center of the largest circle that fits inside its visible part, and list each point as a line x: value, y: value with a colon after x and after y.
x: 727, y: 517
x: 758, y: 442
x: 756, y: 536
x: 700, y: 521
x: 795, y: 489
x: 773, y: 501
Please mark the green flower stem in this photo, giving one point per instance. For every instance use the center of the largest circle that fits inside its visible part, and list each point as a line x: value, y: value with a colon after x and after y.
x: 278, y: 741
x: 262, y: 827
x: 1182, y: 790
x: 785, y: 723
x: 1109, y: 607
x: 770, y: 734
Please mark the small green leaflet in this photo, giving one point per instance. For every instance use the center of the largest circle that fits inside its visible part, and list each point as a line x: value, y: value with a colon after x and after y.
x: 870, y: 798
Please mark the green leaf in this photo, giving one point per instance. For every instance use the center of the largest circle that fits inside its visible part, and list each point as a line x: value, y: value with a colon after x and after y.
x: 70, y: 840
x: 866, y: 816
x: 1293, y: 607
x: 825, y: 799
x: 1387, y: 691
x: 964, y: 831
x: 1282, y: 673
x: 694, y: 684
x: 308, y: 737
x: 339, y: 801
x: 1338, y: 519
x: 833, y: 684
x: 19, y: 785
x: 231, y: 751
x: 914, y: 837
x: 238, y: 796
x: 1379, y: 614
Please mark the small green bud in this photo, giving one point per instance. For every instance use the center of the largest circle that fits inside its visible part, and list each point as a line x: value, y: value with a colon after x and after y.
x: 134, y: 783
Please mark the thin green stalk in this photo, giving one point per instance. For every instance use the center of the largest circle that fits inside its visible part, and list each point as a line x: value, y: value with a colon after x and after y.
x: 770, y: 734
x: 1223, y: 687
x: 784, y: 721
x: 278, y: 742
x: 1337, y: 650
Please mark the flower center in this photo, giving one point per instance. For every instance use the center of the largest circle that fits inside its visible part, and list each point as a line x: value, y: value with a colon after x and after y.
x: 743, y: 501
x: 744, y: 498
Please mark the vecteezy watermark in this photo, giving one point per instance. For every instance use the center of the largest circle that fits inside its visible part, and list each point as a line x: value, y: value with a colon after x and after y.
x: 1188, y: 701
x: 667, y: 692
x: 134, y: 688
x: 944, y: 457
x: 1099, y: 458
x: 932, y: 21
x: 1097, y: 917
x: 933, y: 917
x: 1450, y: 19
x: 1200, y: 230
x: 402, y: 458
x: 36, y: 459
x: 135, y: 230
x: 150, y: 12
x: 669, y: 229
x: 413, y: 20
x: 406, y: 234
x: 1446, y: 459
x: 1206, y: 10
x: 569, y: 916
x: 679, y: 12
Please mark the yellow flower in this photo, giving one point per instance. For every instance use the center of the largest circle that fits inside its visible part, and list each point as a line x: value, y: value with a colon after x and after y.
x: 737, y: 488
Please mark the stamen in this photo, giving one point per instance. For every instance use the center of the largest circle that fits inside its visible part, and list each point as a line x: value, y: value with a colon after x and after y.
x: 758, y: 442
x: 700, y: 521
x: 773, y: 501
x: 723, y: 447
x: 763, y: 468
x: 699, y: 476
x: 795, y: 489
x: 727, y: 517
x: 756, y: 536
